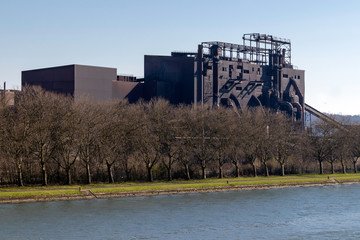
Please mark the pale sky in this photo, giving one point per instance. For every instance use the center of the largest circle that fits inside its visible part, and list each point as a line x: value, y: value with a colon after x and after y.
x: 325, y: 37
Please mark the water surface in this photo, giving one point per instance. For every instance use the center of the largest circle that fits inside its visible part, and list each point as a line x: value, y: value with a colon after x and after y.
x: 323, y: 212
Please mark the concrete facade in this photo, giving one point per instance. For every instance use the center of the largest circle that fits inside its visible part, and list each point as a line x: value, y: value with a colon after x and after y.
x: 74, y: 80
x: 94, y: 82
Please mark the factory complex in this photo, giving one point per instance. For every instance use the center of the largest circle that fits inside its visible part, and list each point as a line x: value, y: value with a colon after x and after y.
x: 256, y: 73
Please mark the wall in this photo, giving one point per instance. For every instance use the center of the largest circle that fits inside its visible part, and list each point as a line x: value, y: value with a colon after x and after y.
x: 94, y: 82
x: 55, y: 79
x: 171, y: 78
x: 133, y: 91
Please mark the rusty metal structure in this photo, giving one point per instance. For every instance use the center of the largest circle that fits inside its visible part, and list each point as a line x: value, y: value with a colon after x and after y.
x: 257, y: 72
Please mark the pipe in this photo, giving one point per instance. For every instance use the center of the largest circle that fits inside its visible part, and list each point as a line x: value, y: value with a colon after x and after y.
x: 289, y: 106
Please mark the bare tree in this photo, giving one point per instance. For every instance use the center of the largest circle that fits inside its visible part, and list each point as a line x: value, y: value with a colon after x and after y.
x: 238, y: 130
x: 254, y: 134
x: 340, y: 149
x: 185, y: 138
x: 355, y: 146
x: 221, y: 124
x: 148, y: 139
x: 263, y: 145
x: 67, y: 150
x: 89, y: 122
x: 166, y: 126
x: 264, y: 155
x: 283, y: 137
x: 200, y: 136
x: 117, y: 139
x: 321, y: 143
x: 45, y: 108
x: 14, y: 133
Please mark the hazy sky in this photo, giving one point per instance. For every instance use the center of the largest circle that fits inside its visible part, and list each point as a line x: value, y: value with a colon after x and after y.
x: 325, y: 37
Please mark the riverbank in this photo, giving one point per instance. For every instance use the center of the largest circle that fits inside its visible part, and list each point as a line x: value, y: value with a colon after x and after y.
x: 132, y: 189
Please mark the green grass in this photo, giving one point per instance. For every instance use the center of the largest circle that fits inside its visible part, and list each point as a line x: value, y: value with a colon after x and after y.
x: 66, y: 190
x: 34, y: 194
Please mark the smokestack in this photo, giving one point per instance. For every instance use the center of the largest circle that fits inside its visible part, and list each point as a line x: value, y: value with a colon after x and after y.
x: 4, y: 86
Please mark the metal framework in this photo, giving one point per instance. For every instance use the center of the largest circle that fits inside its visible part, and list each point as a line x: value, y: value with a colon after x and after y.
x: 256, y: 48
x: 272, y: 45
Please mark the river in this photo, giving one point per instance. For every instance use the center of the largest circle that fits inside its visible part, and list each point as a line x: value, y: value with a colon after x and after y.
x: 321, y: 212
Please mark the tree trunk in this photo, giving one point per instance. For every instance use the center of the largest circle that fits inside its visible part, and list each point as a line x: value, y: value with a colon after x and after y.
x: 88, y: 174
x: 237, y: 169
x: 43, y: 168
x: 203, y: 168
x: 87, y: 165
x: 321, y: 167
x: 221, y: 174
x: 58, y: 173
x: 187, y: 171
x: 355, y: 168
x: 169, y: 174
x: 127, y: 170
x: 20, y: 176
x: 110, y: 174
x: 254, y: 169
x: 266, y: 169
x: 169, y: 168
x: 343, y: 166
x: 203, y: 172
x: 282, y: 169
x: 332, y: 167
x: 68, y: 175
x: 150, y: 176
x: 44, y: 174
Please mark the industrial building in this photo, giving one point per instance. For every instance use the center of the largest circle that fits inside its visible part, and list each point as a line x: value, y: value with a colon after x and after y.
x: 257, y: 73
x: 97, y: 83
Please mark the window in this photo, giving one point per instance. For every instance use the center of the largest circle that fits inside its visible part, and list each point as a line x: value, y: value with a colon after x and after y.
x: 285, y: 76
x: 239, y: 88
x: 246, y: 71
x: 239, y: 67
x: 252, y: 69
x: 224, y: 69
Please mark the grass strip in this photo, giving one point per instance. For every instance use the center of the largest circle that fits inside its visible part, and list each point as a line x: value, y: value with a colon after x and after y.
x: 66, y: 190
x: 34, y: 194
